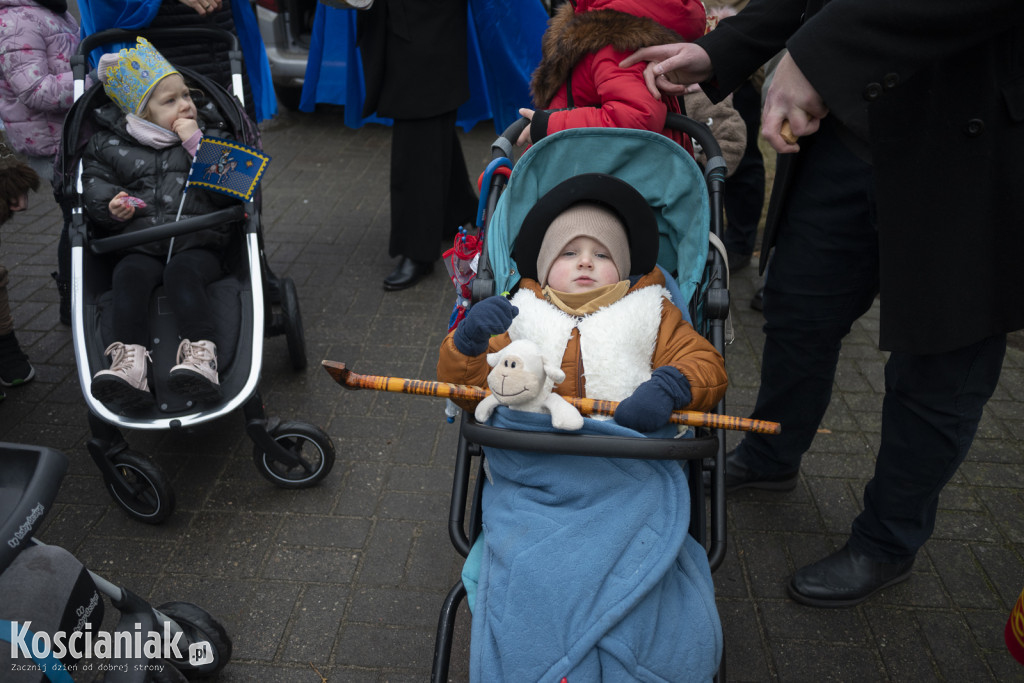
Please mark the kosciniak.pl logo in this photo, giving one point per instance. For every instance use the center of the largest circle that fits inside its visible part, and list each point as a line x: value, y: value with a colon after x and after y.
x: 134, y: 644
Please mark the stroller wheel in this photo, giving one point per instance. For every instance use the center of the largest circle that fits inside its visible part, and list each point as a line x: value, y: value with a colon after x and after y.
x: 149, y: 497
x: 312, y: 456
x: 293, y: 324
x: 198, y: 626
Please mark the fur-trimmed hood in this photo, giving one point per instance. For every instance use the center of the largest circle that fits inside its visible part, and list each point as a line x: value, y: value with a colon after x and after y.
x: 626, y: 25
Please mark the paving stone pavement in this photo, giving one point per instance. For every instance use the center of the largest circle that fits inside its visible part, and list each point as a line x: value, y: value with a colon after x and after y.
x: 343, y: 582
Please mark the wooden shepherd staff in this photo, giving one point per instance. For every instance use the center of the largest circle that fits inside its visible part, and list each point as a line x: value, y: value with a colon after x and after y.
x: 586, y: 406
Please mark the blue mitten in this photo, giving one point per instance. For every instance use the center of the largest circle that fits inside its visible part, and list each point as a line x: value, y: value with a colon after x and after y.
x: 650, y: 406
x: 491, y: 316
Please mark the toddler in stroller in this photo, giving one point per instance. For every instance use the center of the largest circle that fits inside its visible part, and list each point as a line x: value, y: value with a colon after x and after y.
x: 587, y: 252
x: 584, y: 568
x: 186, y: 336
x: 151, y: 131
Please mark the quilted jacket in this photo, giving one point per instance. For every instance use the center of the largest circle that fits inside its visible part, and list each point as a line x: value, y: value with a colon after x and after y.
x: 113, y: 161
x: 36, y: 45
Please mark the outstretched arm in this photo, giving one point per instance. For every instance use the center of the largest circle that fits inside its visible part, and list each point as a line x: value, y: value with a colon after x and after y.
x: 672, y: 67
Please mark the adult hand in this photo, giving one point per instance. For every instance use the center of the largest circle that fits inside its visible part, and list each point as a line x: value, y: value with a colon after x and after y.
x: 671, y: 67
x: 203, y: 7
x: 491, y: 316
x: 792, y: 98
x: 524, y: 137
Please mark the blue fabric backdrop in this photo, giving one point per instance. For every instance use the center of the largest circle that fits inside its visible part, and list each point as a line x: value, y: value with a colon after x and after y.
x: 504, y: 48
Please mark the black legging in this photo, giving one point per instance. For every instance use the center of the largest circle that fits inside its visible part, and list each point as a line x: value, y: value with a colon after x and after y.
x: 184, y: 278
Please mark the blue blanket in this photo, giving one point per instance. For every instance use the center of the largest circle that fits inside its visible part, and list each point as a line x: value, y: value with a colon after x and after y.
x: 585, y: 569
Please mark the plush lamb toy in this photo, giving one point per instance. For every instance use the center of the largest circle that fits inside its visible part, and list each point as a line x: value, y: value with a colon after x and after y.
x: 523, y: 379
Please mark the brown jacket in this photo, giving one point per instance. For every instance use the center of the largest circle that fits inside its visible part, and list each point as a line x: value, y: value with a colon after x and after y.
x: 676, y: 343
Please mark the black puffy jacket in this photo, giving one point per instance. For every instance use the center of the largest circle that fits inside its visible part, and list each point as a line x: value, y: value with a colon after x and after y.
x: 114, y: 161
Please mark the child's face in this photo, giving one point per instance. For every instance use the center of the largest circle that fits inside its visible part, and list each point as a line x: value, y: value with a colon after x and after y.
x: 582, y: 265
x: 170, y: 101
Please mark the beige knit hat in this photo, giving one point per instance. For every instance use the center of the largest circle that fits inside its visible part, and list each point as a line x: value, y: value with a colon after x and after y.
x: 590, y: 220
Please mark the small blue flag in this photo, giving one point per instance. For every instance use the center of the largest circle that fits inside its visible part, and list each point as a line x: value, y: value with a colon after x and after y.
x: 227, y: 167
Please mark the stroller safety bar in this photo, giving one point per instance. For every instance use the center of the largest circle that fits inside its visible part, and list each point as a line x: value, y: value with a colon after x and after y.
x: 107, y: 245
x: 638, y: 448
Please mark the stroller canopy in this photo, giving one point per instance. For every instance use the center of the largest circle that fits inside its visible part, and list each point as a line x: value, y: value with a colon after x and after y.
x: 659, y: 168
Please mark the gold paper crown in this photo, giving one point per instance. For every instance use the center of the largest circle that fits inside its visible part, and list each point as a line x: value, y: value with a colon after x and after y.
x: 137, y: 72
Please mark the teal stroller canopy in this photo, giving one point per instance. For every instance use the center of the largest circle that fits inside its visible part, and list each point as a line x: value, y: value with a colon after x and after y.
x: 659, y: 168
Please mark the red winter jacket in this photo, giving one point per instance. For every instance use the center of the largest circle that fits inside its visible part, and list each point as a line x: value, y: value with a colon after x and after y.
x: 583, y: 45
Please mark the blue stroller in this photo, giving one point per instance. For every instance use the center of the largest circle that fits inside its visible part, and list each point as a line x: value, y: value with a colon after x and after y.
x: 249, y: 303
x: 586, y: 635
x: 52, y: 606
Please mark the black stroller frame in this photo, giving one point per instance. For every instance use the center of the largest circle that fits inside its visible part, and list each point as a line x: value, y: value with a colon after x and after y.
x: 30, y: 478
x: 268, y: 305
x: 705, y: 452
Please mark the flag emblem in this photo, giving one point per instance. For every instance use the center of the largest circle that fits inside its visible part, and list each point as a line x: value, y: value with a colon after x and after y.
x: 228, y: 168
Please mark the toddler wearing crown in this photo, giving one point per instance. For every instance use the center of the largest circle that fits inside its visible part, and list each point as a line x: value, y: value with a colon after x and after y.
x: 134, y: 173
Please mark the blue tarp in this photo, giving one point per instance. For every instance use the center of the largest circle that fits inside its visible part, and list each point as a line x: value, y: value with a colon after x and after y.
x: 504, y: 48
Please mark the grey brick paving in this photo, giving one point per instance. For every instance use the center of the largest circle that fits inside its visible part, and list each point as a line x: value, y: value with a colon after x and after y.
x: 343, y: 582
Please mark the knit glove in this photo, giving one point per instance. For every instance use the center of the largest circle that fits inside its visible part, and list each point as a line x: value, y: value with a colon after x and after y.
x: 491, y: 316
x: 650, y: 406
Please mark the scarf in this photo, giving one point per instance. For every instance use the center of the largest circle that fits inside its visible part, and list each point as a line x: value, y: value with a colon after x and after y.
x: 584, y: 303
x: 150, y: 134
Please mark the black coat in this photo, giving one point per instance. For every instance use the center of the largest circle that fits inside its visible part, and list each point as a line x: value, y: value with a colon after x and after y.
x: 113, y: 161
x: 936, y: 89
x: 414, y: 56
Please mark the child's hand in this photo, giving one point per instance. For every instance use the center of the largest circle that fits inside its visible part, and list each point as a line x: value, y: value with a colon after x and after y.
x: 524, y: 137
x: 185, y: 128
x: 19, y: 203
x: 119, y: 208
x: 488, y: 317
x: 650, y: 406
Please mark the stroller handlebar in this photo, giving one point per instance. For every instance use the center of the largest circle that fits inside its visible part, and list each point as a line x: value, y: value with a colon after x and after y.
x: 107, y: 245
x: 29, y: 481
x: 80, y: 60
x: 502, y: 147
x: 120, y: 35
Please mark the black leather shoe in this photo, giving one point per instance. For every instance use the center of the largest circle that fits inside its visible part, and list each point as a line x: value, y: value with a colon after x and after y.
x: 757, y: 301
x: 407, y: 273
x: 739, y: 477
x: 845, y: 578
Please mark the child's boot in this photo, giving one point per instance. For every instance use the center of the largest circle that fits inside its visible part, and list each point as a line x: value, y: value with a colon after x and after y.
x: 195, y: 375
x: 14, y: 366
x: 124, y: 385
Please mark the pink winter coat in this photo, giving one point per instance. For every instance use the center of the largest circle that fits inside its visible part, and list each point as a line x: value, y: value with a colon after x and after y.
x: 35, y: 74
